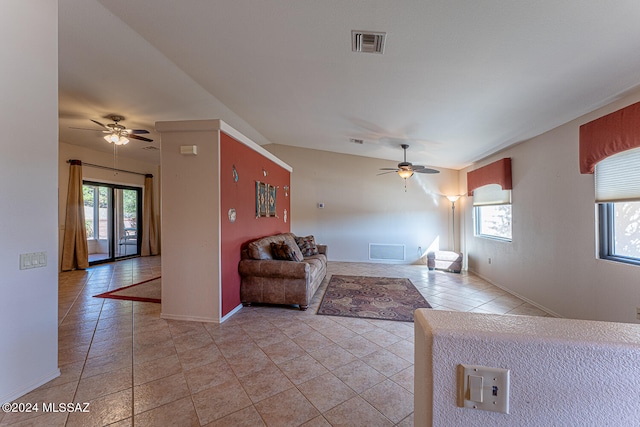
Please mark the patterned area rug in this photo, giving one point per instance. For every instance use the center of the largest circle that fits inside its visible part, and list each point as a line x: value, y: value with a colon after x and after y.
x: 372, y: 298
x: 147, y: 291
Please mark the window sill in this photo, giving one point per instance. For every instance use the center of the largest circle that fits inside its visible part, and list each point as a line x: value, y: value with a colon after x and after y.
x: 620, y: 259
x: 496, y: 238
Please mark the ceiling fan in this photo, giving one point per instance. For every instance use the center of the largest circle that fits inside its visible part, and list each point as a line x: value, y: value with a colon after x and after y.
x: 118, y: 134
x: 406, y: 169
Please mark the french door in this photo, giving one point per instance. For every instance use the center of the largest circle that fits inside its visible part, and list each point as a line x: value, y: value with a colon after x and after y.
x: 112, y: 221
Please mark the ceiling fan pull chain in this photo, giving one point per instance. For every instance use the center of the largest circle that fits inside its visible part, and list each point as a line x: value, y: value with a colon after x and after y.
x: 115, y: 159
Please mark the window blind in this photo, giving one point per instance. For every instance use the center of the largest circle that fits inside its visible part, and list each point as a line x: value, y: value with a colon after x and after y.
x: 617, y: 178
x: 491, y: 194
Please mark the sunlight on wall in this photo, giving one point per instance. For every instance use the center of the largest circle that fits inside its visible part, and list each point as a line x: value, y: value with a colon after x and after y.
x: 428, y: 186
x: 434, y: 246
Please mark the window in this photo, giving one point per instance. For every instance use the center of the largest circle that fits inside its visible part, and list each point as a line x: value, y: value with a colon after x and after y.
x: 620, y: 231
x: 492, y: 211
x: 617, y: 182
x: 493, y: 221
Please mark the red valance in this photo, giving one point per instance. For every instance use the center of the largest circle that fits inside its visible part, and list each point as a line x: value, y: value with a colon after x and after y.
x: 498, y: 172
x: 608, y: 135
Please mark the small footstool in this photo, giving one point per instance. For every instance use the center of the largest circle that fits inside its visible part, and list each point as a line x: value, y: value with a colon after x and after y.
x: 445, y: 260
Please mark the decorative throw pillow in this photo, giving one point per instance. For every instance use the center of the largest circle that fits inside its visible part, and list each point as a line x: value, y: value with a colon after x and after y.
x: 307, y: 245
x: 282, y: 251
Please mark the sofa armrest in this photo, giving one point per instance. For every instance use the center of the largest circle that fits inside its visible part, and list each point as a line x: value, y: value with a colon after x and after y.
x: 323, y: 249
x: 273, y: 268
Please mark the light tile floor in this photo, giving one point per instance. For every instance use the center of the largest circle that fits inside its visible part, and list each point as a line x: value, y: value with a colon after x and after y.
x: 274, y: 366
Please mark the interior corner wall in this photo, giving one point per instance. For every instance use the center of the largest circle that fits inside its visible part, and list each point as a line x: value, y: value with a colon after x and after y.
x: 68, y: 151
x: 552, y: 259
x: 28, y: 207
x: 362, y: 208
x: 241, y: 196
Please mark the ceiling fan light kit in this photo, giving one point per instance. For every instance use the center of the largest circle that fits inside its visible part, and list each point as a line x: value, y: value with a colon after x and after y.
x: 116, y: 139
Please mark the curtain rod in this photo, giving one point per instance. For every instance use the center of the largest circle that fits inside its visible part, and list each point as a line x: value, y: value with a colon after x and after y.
x: 111, y: 169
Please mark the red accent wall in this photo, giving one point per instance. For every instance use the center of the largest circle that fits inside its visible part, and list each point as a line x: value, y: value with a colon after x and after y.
x: 241, y: 196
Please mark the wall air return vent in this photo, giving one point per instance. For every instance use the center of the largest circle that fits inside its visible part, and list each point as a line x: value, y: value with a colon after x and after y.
x: 386, y: 252
x: 367, y: 41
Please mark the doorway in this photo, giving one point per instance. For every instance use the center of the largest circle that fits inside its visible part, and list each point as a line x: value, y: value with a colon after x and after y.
x: 112, y: 221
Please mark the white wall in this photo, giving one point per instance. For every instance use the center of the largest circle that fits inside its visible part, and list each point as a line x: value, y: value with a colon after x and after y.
x: 552, y: 258
x: 562, y: 372
x: 68, y: 151
x: 362, y: 208
x: 28, y: 195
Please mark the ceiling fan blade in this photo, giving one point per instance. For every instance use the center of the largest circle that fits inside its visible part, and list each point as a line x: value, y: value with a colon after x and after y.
x: 384, y: 173
x: 94, y: 130
x: 100, y: 124
x: 388, y: 169
x: 141, y: 138
x: 426, y: 170
x: 136, y: 131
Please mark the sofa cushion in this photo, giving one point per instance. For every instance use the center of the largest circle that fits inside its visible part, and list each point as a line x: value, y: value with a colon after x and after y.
x: 261, y: 248
x: 284, y: 252
x: 307, y: 245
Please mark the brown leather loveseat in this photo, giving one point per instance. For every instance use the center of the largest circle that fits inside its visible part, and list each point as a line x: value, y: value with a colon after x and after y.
x: 265, y: 279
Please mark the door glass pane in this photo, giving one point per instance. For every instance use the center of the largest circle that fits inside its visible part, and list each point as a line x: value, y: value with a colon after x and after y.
x: 126, y: 221
x: 96, y: 220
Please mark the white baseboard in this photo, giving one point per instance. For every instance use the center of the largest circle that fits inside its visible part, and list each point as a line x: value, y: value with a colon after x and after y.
x: 200, y: 319
x: 515, y: 294
x: 231, y: 313
x: 189, y: 318
x: 30, y: 387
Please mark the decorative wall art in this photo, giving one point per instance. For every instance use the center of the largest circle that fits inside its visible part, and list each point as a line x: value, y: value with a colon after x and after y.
x: 286, y: 191
x: 272, y: 200
x: 265, y: 199
x: 232, y: 215
x: 235, y: 174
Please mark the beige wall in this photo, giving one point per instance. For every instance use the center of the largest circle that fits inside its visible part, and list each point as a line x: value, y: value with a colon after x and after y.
x: 362, y: 208
x: 190, y: 222
x: 68, y: 151
x: 552, y: 258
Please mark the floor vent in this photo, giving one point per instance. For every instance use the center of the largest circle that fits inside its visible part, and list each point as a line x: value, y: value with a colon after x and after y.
x: 367, y: 41
x: 386, y: 252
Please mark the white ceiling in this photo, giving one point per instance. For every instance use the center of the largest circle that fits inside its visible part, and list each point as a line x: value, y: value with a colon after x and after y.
x: 458, y: 79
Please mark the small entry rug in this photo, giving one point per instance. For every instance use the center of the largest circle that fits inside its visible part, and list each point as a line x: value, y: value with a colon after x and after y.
x: 372, y: 298
x: 147, y: 291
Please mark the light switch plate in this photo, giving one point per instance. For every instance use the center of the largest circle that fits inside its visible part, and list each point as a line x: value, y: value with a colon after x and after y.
x: 494, y: 395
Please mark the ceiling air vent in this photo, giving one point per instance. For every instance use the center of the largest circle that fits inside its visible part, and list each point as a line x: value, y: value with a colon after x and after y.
x: 150, y: 148
x: 356, y: 141
x: 367, y: 41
